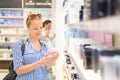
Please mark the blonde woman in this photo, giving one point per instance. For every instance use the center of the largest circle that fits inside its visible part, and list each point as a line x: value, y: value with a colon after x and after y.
x: 35, y: 62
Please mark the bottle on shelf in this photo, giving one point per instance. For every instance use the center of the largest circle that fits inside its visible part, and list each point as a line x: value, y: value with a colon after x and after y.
x: 74, y: 74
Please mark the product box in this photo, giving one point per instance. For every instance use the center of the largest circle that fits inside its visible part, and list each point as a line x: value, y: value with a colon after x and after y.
x: 102, y: 8
x: 0, y: 13
x: 97, y: 36
x: 86, y: 54
x: 81, y: 34
x: 110, y: 67
x: 108, y: 39
x: 103, y: 38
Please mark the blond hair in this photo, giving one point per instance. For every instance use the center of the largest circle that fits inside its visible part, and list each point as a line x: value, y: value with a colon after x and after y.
x: 32, y: 17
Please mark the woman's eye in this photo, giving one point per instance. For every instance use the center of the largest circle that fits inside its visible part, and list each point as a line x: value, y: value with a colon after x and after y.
x: 35, y: 28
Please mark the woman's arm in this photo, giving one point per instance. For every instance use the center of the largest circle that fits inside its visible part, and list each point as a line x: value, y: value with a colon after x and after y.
x: 19, y: 66
x: 30, y: 67
x: 49, y: 65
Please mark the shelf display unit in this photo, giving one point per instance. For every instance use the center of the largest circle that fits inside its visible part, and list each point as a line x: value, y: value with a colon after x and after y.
x: 77, y: 16
x: 11, y: 30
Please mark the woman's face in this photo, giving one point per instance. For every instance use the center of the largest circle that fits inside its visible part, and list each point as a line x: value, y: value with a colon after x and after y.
x: 35, y: 28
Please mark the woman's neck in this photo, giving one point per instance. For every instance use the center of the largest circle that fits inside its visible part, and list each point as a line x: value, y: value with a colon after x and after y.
x: 32, y: 39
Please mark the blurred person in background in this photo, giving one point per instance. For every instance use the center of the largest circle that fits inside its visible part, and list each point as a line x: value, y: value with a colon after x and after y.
x: 46, y: 34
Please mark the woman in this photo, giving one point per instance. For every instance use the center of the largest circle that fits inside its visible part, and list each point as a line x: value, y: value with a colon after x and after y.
x: 35, y: 62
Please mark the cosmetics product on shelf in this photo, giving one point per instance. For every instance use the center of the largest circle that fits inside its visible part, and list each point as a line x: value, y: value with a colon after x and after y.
x: 109, y: 51
x: 68, y: 60
x: 102, y: 51
x: 74, y: 33
x: 117, y: 6
x: 91, y: 53
x: 5, y: 47
x: 7, y: 39
x: 74, y: 73
x: 104, y: 38
x: 1, y: 21
x: 6, y: 55
x: 87, y: 10
x: 66, y: 18
x: 110, y: 67
x: 90, y: 57
x: 81, y: 12
x: 102, y: 8
x: 81, y: 34
x: 86, y: 55
x: 108, y: 39
x: 94, y: 9
x: 0, y: 13
x: 3, y: 13
x: 94, y: 57
x: 87, y: 14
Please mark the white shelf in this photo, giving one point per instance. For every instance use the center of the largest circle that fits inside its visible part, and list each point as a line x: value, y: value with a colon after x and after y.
x: 5, y: 50
x: 5, y: 59
x: 103, y: 23
x: 11, y: 17
x: 13, y: 9
x: 65, y: 67
x: 11, y: 26
x: 5, y: 43
x: 85, y: 74
x: 12, y: 35
x: 3, y: 70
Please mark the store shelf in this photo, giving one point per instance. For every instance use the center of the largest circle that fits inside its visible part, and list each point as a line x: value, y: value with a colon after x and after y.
x: 5, y: 59
x: 6, y: 43
x: 3, y: 70
x: 11, y: 17
x: 20, y: 35
x: 65, y: 67
x: 86, y: 74
x: 14, y: 9
x: 11, y: 26
x: 5, y: 51
x: 108, y: 24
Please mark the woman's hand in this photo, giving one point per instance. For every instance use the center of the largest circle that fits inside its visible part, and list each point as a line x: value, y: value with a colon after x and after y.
x: 52, y: 55
x: 45, y: 60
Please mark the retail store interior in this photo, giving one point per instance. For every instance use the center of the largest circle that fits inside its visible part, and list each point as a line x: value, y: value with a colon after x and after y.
x: 87, y: 36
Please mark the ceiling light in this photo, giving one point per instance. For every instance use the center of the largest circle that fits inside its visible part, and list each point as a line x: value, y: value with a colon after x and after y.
x: 30, y: 1
x: 47, y: 1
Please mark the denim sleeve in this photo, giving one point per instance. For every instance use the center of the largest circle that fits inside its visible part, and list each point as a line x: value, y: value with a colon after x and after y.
x: 44, y: 47
x: 17, y: 55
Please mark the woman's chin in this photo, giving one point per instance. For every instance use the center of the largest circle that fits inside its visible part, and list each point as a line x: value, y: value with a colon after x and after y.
x: 36, y: 37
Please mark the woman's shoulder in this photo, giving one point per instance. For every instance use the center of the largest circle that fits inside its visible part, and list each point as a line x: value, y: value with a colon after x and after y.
x: 19, y: 42
x: 43, y: 43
